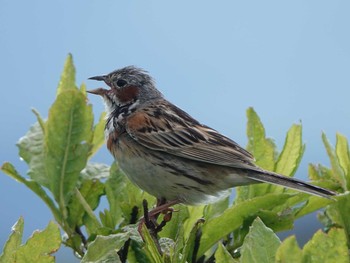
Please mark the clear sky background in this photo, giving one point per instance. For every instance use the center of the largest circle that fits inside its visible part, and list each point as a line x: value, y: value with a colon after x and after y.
x: 290, y: 60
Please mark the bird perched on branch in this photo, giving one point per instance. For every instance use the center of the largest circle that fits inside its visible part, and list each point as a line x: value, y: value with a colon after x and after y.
x: 169, y: 154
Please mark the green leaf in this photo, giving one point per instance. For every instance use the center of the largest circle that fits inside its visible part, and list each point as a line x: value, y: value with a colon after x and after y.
x: 289, y: 251
x: 289, y: 159
x: 277, y: 221
x: 191, y: 242
x: 137, y: 254
x: 87, y: 197
x: 264, y: 151
x: 319, y: 172
x: 260, y: 245
x: 67, y: 81
x: 95, y: 171
x: 216, y: 209
x: 91, y: 191
x: 176, y: 251
x: 330, y: 247
x: 222, y: 255
x: 38, y: 248
x: 40, y: 245
x: 115, y: 187
x: 105, y: 248
x: 342, y: 152
x: 13, y: 243
x: 261, y: 147
x: 99, y: 136
x: 39, y: 119
x: 31, y: 149
x: 195, y: 213
x: 83, y: 88
x: 150, y: 247
x: 67, y: 143
x: 339, y: 211
x: 234, y: 217
x: 167, y: 245
x: 312, y: 204
x: 338, y: 173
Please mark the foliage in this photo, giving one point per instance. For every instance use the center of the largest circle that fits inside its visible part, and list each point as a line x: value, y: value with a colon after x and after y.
x: 38, y: 247
x: 58, y: 152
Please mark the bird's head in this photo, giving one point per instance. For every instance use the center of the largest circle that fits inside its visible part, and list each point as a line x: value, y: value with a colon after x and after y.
x: 128, y: 86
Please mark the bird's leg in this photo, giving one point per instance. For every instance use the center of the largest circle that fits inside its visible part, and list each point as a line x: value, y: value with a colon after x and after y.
x: 150, y: 224
x: 150, y: 217
x: 162, y: 207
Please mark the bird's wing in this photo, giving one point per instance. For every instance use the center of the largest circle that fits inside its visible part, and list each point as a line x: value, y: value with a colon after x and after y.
x: 164, y: 127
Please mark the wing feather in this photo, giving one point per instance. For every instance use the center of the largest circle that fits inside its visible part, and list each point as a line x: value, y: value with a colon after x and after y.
x: 164, y: 127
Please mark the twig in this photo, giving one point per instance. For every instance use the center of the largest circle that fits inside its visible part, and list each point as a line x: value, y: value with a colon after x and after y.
x: 151, y: 225
x: 145, y: 214
x: 196, y: 246
x: 83, y: 238
x: 123, y: 252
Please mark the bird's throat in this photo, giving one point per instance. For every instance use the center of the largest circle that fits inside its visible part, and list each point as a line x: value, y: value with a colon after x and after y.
x: 116, y: 116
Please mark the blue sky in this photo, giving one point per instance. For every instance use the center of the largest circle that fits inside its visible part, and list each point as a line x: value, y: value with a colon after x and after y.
x: 289, y: 60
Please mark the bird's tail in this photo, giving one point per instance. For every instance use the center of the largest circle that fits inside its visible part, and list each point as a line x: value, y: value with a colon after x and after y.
x: 274, y: 178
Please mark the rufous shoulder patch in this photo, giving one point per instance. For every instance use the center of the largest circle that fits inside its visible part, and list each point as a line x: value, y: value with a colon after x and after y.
x: 137, y: 121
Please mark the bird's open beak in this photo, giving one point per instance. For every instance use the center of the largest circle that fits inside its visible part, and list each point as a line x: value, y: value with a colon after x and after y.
x: 99, y: 91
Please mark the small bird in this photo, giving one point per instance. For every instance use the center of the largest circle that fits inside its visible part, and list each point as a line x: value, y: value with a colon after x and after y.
x: 168, y: 153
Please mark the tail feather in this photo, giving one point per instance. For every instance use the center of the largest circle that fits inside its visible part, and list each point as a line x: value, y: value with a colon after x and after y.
x: 274, y: 178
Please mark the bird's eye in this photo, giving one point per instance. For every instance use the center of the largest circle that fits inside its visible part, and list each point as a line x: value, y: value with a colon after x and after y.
x: 121, y: 82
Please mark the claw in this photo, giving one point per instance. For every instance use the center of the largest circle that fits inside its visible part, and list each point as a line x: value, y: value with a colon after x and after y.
x: 150, y: 217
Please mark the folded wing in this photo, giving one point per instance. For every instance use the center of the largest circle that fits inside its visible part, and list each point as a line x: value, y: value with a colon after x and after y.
x: 169, y: 129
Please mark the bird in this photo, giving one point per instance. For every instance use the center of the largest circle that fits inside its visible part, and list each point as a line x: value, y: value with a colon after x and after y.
x: 171, y: 155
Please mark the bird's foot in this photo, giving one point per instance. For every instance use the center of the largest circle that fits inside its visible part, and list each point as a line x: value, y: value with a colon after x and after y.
x: 150, y: 217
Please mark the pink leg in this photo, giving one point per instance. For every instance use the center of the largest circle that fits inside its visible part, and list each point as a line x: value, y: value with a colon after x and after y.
x: 162, y: 207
